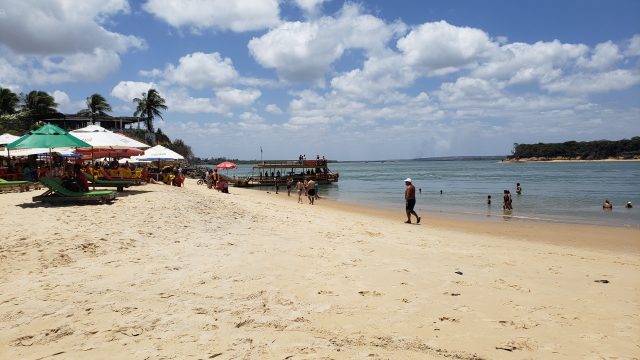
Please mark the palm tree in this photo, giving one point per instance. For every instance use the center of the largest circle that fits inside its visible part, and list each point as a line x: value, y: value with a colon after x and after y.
x: 8, y: 101
x: 97, y: 105
x: 39, y: 103
x: 149, y: 106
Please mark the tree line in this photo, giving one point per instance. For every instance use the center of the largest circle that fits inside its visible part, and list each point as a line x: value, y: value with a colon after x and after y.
x: 579, y: 150
x: 20, y: 113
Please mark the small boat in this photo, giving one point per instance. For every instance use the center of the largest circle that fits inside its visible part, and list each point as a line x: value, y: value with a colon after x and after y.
x: 266, y: 172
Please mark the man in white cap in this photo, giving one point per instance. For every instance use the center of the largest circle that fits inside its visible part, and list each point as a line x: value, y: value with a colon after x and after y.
x: 410, y: 198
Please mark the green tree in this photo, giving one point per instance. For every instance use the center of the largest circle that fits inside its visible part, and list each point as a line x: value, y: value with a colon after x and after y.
x: 181, y: 148
x: 8, y: 101
x: 39, y: 103
x: 35, y: 106
x: 162, y: 138
x: 97, y: 105
x: 149, y: 106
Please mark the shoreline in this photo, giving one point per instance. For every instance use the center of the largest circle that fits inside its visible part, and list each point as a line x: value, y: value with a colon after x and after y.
x: 618, y: 238
x: 537, y: 160
x: 168, y: 272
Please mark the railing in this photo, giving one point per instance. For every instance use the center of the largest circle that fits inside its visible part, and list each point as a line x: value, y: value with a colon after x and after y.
x: 309, y: 163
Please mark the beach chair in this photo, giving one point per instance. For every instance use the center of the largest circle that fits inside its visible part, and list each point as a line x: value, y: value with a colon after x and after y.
x: 120, y: 185
x: 11, y: 185
x: 60, y: 194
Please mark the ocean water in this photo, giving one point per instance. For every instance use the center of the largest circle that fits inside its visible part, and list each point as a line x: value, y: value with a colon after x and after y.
x: 559, y: 192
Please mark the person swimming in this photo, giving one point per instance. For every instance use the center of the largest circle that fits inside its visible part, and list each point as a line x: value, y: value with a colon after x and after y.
x: 607, y: 205
x: 629, y: 205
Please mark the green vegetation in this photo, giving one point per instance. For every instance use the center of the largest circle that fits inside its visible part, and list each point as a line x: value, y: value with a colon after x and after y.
x: 19, y: 114
x: 579, y: 150
x: 8, y: 102
x: 149, y: 106
x: 97, y: 105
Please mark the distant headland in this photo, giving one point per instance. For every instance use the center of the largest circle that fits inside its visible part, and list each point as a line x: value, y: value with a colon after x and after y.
x: 600, y: 150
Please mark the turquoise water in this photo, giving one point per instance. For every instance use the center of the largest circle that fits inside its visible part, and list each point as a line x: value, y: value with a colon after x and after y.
x: 563, y: 192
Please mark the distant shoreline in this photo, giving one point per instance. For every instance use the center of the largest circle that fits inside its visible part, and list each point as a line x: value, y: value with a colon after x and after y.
x: 564, y: 160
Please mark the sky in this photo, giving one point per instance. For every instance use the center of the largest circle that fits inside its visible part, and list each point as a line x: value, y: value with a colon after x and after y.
x: 367, y: 80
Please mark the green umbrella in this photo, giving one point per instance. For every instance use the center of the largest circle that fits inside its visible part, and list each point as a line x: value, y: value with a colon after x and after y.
x: 48, y: 136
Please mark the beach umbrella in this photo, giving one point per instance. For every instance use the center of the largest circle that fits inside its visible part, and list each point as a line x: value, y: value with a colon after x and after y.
x: 48, y: 136
x: 227, y: 165
x: 158, y: 153
x: 108, y: 153
x: 99, y: 137
x: 7, y: 138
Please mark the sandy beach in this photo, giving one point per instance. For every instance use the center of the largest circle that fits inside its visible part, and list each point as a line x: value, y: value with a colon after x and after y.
x: 191, y: 273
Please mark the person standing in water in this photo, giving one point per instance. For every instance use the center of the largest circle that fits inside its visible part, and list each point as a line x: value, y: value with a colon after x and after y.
x: 410, y: 201
x: 518, y: 189
x: 506, y: 205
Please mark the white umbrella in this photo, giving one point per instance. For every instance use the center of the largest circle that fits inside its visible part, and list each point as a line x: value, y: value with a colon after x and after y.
x: 159, y: 152
x: 8, y: 138
x: 99, y: 137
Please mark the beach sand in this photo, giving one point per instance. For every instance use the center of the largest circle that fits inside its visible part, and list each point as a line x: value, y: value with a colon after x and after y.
x: 178, y: 273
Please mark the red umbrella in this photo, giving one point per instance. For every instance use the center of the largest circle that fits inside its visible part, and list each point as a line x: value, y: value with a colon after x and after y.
x: 105, y: 152
x: 226, y: 165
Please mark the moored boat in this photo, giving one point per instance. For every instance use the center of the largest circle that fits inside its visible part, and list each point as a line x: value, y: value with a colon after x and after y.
x: 266, y: 172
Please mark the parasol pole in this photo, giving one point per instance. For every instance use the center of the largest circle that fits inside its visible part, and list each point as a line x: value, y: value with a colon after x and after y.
x: 94, y: 172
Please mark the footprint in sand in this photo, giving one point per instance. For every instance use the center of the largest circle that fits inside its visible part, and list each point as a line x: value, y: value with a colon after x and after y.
x: 518, y: 344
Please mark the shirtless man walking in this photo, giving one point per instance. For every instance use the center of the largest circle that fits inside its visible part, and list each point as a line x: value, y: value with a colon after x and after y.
x: 410, y: 199
x: 311, y: 191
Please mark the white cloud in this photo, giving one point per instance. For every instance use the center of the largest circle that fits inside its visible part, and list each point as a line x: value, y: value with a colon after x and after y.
x: 10, y: 76
x: 633, y: 46
x: 153, y: 73
x: 310, y: 7
x: 200, y: 70
x: 273, y: 109
x: 63, y: 40
x: 61, y: 98
x: 237, y: 15
x: 179, y: 100
x: 237, y: 97
x: 378, y: 76
x: 304, y: 51
x: 90, y: 67
x: 440, y: 48
x: 251, y: 118
x: 614, y: 80
x: 603, y: 56
x: 469, y: 89
x: 129, y: 90
x: 62, y: 26
x: 521, y: 63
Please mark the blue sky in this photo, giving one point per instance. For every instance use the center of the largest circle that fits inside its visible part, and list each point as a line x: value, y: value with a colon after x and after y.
x: 348, y: 80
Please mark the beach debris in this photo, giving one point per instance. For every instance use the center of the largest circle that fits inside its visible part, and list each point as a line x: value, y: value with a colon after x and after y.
x: 604, y: 281
x: 446, y: 318
x: 455, y: 294
x: 458, y: 272
x: 509, y: 348
x: 244, y: 322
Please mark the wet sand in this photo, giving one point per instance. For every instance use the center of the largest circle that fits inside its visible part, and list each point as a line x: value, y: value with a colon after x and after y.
x: 192, y: 273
